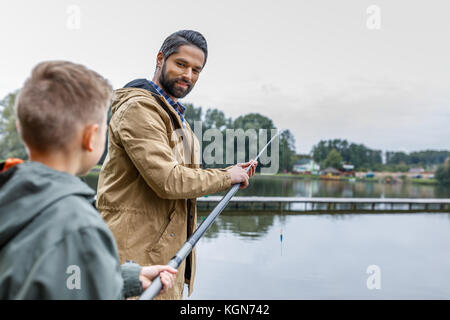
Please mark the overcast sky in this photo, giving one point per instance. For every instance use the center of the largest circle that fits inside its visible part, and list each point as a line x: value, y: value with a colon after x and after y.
x: 322, y: 69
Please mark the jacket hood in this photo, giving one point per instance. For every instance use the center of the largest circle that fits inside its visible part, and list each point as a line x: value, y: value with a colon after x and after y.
x: 27, y: 189
x: 127, y: 92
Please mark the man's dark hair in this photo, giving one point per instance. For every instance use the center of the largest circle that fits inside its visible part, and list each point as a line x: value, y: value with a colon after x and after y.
x: 184, y: 37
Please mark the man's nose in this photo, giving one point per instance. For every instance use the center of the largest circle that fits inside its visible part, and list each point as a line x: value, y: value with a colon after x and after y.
x: 187, y: 74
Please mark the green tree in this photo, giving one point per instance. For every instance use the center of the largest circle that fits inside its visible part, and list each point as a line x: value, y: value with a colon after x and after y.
x: 287, y: 151
x: 11, y: 145
x: 333, y: 160
x: 253, y: 121
x: 216, y: 119
x: 357, y: 154
x: 393, y: 157
x: 443, y: 175
x: 192, y: 114
x: 320, y: 151
x: 427, y: 158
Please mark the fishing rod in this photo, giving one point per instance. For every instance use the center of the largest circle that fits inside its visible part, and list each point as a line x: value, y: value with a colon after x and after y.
x: 156, y: 285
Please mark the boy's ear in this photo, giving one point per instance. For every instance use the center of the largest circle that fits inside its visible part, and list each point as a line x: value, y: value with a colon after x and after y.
x: 88, y: 137
x: 18, y: 127
x: 20, y: 134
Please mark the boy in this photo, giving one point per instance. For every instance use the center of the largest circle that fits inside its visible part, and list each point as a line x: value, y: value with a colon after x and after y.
x: 53, y: 243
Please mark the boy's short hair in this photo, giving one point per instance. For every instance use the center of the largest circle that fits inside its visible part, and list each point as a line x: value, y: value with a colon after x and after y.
x: 56, y: 100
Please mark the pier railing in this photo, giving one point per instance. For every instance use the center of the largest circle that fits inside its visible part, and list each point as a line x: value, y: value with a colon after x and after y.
x: 318, y: 204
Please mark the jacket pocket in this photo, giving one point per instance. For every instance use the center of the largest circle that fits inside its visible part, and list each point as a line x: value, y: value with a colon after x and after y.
x: 157, y: 244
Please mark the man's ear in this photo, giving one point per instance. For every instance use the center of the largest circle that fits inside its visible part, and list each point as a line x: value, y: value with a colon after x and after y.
x: 159, y: 60
x: 88, y: 137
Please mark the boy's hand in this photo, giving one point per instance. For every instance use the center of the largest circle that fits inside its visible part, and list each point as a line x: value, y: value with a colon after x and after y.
x: 238, y: 174
x: 166, y: 273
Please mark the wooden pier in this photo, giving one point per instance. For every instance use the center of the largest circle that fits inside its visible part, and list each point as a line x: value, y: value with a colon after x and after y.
x: 298, y: 204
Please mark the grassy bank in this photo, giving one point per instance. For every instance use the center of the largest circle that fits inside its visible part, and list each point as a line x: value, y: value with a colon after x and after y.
x: 315, y: 177
x: 424, y: 181
x: 93, y: 174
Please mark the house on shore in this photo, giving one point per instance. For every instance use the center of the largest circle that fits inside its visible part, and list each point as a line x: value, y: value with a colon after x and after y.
x: 348, y: 170
x: 398, y: 176
x: 306, y: 166
x: 331, y: 172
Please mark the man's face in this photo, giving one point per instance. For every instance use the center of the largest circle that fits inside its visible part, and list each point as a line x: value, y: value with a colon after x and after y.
x: 180, y: 71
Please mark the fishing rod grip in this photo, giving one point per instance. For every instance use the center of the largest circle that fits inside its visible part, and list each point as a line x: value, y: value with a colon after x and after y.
x: 153, y: 290
x: 155, y: 287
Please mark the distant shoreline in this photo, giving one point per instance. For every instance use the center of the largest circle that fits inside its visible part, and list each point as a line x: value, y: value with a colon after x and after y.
x: 432, y: 182
x: 357, y: 179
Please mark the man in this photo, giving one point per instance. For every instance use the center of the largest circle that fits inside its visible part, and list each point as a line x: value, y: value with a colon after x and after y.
x: 151, y: 177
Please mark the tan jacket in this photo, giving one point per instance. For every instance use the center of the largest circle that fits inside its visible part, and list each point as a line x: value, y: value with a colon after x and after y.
x: 146, y: 185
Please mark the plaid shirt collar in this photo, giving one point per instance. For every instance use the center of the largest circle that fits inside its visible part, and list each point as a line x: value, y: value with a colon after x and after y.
x: 175, y: 105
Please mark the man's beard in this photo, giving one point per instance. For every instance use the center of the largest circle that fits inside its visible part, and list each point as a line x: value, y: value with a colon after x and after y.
x: 169, y: 85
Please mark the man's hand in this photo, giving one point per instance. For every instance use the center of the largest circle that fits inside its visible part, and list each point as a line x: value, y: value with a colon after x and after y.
x: 238, y: 174
x: 166, y: 273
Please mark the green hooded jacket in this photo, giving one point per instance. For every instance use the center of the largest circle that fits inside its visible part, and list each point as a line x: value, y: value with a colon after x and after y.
x: 53, y: 242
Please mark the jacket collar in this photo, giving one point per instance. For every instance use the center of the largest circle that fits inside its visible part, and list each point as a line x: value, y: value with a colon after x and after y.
x: 142, y: 84
x: 145, y: 84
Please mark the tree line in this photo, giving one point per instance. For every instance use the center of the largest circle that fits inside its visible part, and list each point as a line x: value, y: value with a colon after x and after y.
x: 417, y: 158
x: 328, y: 153
x: 216, y: 119
x: 11, y: 145
x: 364, y: 158
x: 336, y: 152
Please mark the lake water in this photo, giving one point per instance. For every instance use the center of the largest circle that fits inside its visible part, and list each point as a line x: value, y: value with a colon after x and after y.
x: 292, y: 187
x: 326, y: 256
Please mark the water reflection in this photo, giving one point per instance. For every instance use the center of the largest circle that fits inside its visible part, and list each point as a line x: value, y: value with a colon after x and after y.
x: 293, y: 187
x: 253, y: 225
x: 327, y: 255
x: 290, y: 187
x: 245, y: 226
